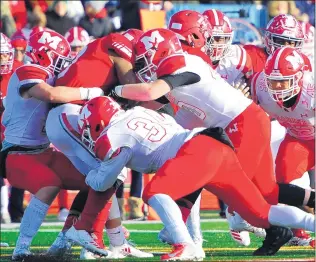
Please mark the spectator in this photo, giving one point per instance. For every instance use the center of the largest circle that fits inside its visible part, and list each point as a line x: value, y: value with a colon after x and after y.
x: 95, y: 21
x: 285, y: 7
x: 75, y: 10
x: 307, y: 7
x: 57, y: 19
x: 130, y: 14
x: 19, y: 13
x: 7, y: 23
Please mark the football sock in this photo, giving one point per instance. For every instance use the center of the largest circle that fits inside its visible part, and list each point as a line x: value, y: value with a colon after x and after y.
x: 293, y: 217
x: 171, y: 217
x: 116, y: 236
x: 193, y: 222
x: 32, y: 219
x: 97, y: 203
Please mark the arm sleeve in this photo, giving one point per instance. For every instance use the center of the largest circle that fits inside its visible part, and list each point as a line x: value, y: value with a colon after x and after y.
x: 105, y: 176
x: 182, y: 79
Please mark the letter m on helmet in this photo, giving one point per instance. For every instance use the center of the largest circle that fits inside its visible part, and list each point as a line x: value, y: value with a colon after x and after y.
x: 152, y: 41
x: 52, y: 41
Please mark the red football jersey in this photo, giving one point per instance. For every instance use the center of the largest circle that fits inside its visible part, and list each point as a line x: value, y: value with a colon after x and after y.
x: 93, y: 67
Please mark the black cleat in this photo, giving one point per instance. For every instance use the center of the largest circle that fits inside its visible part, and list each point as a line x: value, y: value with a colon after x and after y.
x: 276, y: 237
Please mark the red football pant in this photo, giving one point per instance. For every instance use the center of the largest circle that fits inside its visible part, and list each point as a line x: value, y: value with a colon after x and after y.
x: 206, y: 162
x: 294, y: 158
x: 33, y: 171
x: 250, y: 133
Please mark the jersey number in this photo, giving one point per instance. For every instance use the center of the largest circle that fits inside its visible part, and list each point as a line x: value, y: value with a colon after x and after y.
x: 147, y: 129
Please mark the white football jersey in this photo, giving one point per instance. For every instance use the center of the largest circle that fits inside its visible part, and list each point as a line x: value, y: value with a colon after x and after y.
x: 211, y: 102
x: 235, y: 65
x: 24, y: 118
x: 299, y: 120
x: 153, y: 137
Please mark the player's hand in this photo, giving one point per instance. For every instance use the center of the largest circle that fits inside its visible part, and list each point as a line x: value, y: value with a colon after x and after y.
x: 243, y: 88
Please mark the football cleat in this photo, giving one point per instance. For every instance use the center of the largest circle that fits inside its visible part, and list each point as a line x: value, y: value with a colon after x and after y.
x: 20, y: 253
x: 127, y: 250
x: 237, y: 223
x: 241, y: 237
x: 86, y: 240
x: 182, y: 252
x: 301, y: 238
x: 4, y: 244
x: 275, y: 239
x: 60, y: 246
x: 87, y: 255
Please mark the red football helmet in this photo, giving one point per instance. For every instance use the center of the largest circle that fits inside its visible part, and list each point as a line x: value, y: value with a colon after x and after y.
x: 153, y: 47
x: 283, y: 73
x: 7, y: 55
x: 77, y: 38
x: 221, y: 28
x: 192, y: 28
x: 280, y: 29
x: 133, y: 35
x: 95, y: 115
x: 48, y: 49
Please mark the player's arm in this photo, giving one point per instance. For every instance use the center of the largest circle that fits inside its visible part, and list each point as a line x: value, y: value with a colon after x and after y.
x: 109, y: 172
x: 123, y: 68
x: 156, y: 89
x: 58, y: 94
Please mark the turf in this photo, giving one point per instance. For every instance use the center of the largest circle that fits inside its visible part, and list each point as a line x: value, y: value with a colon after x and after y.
x: 218, y: 244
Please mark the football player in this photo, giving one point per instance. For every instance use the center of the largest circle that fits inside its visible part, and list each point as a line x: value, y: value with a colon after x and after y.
x: 28, y: 160
x: 146, y: 141
x: 285, y: 90
x: 104, y: 63
x: 78, y: 38
x: 205, y: 99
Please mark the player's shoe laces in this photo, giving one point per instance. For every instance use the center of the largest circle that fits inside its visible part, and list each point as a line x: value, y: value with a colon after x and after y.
x: 241, y: 237
x: 275, y: 239
x: 86, y: 240
x: 301, y: 238
x: 20, y: 253
x: 127, y: 250
x: 60, y: 246
x: 182, y: 252
x: 237, y: 223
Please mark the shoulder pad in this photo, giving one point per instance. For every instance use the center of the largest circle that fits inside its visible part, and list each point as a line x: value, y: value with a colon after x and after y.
x: 170, y: 65
x: 120, y: 45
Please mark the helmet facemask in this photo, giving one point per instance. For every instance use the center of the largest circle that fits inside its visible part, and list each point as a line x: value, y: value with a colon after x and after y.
x: 218, y: 51
x: 290, y: 85
x: 7, y: 63
x: 144, y: 68
x: 276, y: 41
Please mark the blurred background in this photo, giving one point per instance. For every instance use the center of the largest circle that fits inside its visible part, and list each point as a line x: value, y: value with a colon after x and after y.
x: 99, y: 18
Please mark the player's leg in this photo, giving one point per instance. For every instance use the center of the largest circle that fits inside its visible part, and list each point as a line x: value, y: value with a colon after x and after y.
x: 160, y: 192
x: 135, y: 201
x: 31, y: 172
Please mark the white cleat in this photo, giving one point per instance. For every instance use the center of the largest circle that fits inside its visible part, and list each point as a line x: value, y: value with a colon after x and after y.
x: 62, y: 215
x: 200, y: 251
x: 182, y: 252
x: 86, y: 240
x: 237, y: 223
x: 127, y: 250
x: 241, y: 237
x: 164, y: 236
x: 20, y: 253
x: 60, y: 246
x: 4, y: 244
x: 87, y: 255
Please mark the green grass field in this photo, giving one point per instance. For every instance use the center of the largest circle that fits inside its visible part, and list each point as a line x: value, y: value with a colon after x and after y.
x: 218, y: 244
